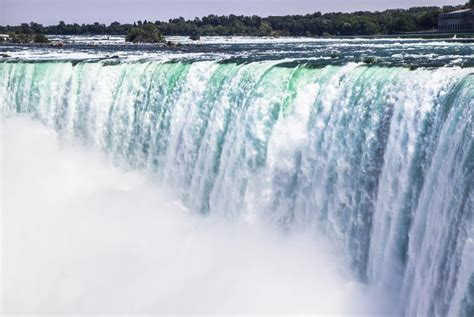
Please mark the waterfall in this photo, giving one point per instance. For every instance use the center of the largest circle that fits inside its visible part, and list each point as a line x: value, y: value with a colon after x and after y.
x: 380, y: 159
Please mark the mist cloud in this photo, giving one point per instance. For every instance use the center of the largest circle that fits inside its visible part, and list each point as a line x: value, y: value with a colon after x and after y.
x: 82, y: 236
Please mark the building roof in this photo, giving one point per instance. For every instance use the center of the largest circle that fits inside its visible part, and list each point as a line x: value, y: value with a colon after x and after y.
x: 460, y: 11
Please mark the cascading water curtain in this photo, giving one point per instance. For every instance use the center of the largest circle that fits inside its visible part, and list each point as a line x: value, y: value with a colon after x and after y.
x: 380, y: 159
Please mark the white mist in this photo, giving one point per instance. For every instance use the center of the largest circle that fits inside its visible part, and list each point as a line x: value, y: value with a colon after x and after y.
x: 81, y: 236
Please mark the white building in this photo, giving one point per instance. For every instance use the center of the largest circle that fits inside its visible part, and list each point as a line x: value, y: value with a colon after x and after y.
x: 457, y: 21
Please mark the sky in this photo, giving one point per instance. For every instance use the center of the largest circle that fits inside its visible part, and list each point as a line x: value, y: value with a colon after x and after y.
x: 50, y: 12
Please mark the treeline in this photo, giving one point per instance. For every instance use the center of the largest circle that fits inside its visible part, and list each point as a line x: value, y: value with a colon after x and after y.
x: 317, y: 24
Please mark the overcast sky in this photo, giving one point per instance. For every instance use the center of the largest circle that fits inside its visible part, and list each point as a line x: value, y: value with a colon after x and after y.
x: 105, y: 11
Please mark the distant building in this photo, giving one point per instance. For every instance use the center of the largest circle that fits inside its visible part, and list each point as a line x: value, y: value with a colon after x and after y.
x: 457, y: 21
x: 4, y: 37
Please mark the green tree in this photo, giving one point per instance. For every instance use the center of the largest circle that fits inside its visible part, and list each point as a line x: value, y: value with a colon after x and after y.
x: 145, y: 33
x: 265, y: 29
x: 316, y: 24
x: 40, y: 38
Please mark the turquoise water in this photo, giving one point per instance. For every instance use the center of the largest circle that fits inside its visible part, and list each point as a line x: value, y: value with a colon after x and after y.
x: 380, y: 159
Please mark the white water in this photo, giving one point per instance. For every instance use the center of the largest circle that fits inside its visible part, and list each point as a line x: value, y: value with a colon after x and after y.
x: 80, y: 236
x: 379, y: 159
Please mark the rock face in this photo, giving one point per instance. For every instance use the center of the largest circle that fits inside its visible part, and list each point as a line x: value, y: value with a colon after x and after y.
x: 57, y: 44
x: 172, y: 44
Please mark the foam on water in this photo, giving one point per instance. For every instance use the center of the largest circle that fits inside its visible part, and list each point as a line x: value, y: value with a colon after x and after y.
x: 320, y: 51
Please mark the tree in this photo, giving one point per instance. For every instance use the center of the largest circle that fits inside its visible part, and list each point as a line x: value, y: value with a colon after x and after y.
x: 40, y: 38
x: 265, y: 29
x: 145, y: 33
x: 357, y: 23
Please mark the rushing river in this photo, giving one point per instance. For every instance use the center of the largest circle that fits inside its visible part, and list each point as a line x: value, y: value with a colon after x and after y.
x: 369, y: 144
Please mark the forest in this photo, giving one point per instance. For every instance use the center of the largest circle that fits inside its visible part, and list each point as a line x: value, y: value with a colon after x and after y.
x: 395, y: 21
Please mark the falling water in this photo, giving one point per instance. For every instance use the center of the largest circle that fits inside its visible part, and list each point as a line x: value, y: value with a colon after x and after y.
x: 380, y: 159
